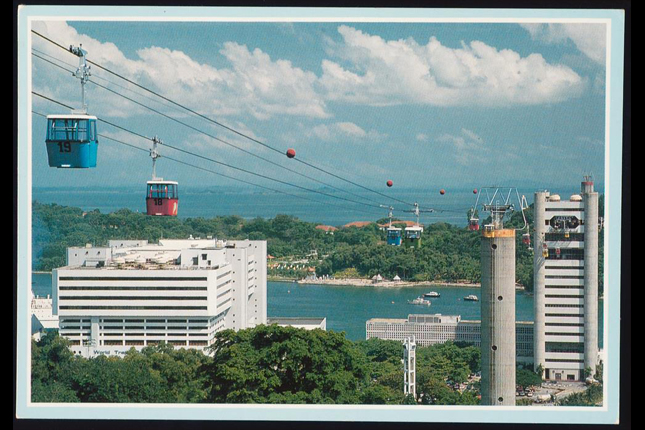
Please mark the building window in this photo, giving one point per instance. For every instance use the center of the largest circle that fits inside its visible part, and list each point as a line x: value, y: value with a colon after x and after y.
x: 571, y: 347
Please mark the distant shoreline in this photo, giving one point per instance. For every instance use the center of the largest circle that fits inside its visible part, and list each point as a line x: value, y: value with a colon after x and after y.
x: 361, y: 282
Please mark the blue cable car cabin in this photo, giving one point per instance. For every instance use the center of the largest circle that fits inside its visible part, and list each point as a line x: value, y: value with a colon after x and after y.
x: 72, y: 141
x: 394, y: 236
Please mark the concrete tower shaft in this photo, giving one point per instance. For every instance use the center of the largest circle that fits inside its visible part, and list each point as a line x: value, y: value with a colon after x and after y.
x: 498, y: 317
x: 590, y: 198
x: 538, y: 280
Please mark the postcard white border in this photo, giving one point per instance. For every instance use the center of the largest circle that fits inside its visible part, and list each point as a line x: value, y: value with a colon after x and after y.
x: 608, y: 413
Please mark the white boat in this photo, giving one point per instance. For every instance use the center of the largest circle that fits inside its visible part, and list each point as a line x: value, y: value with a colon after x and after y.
x: 419, y: 301
x: 432, y: 294
x: 471, y: 298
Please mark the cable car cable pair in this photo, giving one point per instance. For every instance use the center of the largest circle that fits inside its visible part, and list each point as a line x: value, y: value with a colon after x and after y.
x: 222, y: 163
x: 226, y: 127
x: 226, y: 176
x: 290, y: 152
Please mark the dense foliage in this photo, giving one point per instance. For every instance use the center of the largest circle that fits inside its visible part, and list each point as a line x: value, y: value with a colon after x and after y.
x: 266, y: 364
x: 157, y: 374
x: 592, y: 396
x: 269, y: 364
x: 449, y: 253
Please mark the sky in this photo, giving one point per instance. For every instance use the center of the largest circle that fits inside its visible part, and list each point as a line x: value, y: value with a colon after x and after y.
x: 425, y: 105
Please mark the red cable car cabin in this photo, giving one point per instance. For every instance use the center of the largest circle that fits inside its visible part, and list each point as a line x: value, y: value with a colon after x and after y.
x: 162, y: 198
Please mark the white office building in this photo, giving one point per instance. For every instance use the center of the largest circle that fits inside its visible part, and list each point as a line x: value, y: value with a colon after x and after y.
x: 134, y: 294
x: 431, y: 329
x: 566, y: 283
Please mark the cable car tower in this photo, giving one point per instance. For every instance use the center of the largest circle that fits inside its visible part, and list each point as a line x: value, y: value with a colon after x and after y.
x: 162, y: 198
x: 413, y: 234
x: 393, y: 233
x: 498, y: 343
x: 499, y: 202
x: 72, y: 140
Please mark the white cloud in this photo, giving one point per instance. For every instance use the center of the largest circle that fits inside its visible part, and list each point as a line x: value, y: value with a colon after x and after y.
x: 590, y: 39
x: 422, y: 137
x: 344, y: 130
x: 402, y: 71
x: 471, y: 135
x: 371, y: 71
x: 465, y: 146
x: 253, y: 84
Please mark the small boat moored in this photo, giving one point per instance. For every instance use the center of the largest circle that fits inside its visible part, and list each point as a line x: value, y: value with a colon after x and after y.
x: 420, y: 301
x: 471, y: 298
x: 432, y: 294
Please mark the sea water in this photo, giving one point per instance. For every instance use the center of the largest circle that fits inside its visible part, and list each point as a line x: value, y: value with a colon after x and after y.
x: 452, y: 207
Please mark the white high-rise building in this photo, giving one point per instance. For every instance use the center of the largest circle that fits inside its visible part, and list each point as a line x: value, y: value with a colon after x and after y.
x: 566, y: 283
x: 182, y: 292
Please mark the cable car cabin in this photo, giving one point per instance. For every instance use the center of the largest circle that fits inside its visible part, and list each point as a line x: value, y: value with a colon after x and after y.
x: 394, y: 236
x: 71, y: 141
x: 473, y: 225
x: 162, y: 198
x: 526, y: 239
x: 413, y: 236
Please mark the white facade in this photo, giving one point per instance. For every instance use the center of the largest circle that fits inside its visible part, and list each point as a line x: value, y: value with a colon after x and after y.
x: 181, y: 292
x: 566, y: 283
x: 431, y: 329
x: 42, y: 317
x: 410, y: 367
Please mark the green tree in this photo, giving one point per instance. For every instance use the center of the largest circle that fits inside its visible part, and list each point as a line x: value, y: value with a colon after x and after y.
x: 272, y: 363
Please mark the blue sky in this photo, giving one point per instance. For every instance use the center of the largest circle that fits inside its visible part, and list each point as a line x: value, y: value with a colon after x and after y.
x: 426, y: 105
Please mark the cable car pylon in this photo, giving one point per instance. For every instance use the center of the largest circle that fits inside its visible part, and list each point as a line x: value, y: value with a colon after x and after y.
x: 499, y: 204
x: 72, y: 140
x: 162, y: 198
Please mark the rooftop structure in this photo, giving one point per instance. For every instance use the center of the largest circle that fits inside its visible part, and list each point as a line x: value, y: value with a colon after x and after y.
x: 133, y: 294
x: 326, y: 228
x: 42, y: 317
x: 358, y: 224
x: 309, y: 323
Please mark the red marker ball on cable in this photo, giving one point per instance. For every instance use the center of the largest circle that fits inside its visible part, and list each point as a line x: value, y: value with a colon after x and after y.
x: 291, y: 152
x: 389, y: 183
